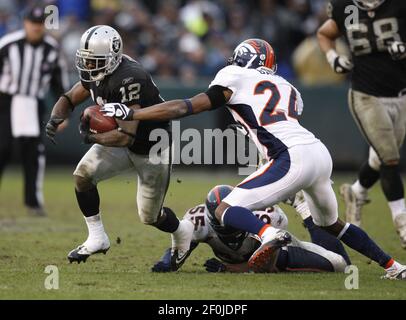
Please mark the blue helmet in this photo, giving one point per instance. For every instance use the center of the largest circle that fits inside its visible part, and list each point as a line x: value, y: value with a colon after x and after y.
x: 252, y: 54
x: 213, y: 199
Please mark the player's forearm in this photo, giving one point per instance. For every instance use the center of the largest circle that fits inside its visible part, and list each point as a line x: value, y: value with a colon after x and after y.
x: 174, y: 109
x: 113, y: 138
x: 162, y: 112
x: 62, y: 109
x: 67, y: 102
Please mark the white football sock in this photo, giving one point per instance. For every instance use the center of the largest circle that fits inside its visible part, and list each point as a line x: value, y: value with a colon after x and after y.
x: 181, y: 237
x: 397, y: 207
x: 95, y: 226
x: 359, y: 190
x: 303, y: 210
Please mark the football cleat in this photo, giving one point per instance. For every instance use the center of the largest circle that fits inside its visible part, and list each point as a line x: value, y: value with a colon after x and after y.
x: 36, y: 212
x: 264, y: 258
x: 181, y: 240
x: 88, y: 248
x: 400, y: 225
x: 353, y: 205
x: 397, y: 274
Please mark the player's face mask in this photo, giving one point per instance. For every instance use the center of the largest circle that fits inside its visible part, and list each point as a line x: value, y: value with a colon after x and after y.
x: 368, y: 4
x: 92, y: 67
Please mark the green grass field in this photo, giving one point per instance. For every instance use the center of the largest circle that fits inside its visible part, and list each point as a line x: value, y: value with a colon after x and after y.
x: 28, y: 245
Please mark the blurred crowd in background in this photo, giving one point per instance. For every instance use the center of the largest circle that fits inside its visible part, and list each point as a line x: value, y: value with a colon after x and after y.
x: 190, y: 39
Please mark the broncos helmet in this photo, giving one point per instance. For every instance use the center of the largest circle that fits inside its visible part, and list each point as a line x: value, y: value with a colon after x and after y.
x: 252, y: 54
x: 213, y: 199
x: 368, y: 4
x: 99, y: 54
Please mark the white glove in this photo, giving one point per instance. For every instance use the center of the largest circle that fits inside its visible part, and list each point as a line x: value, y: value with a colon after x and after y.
x: 118, y: 110
x: 397, y: 50
x: 340, y: 64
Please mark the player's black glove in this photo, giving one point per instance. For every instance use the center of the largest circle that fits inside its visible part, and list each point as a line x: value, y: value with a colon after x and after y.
x: 51, y: 128
x: 118, y: 110
x: 164, y: 264
x: 397, y: 50
x: 340, y: 64
x: 214, y: 265
x: 84, y: 130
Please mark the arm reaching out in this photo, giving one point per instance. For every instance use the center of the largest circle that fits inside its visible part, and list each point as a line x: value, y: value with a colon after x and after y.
x: 171, y: 109
x: 64, y: 107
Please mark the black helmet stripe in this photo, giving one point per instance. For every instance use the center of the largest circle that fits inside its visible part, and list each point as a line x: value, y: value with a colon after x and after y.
x: 90, y: 35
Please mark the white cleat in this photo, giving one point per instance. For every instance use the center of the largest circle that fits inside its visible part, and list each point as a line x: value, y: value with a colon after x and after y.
x: 181, y: 240
x: 89, y: 247
x: 353, y: 205
x: 400, y: 225
x: 264, y: 258
x: 397, y: 274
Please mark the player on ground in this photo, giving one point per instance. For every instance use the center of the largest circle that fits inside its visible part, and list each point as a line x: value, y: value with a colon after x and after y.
x: 268, y: 106
x: 234, y: 247
x: 377, y: 97
x: 109, y: 76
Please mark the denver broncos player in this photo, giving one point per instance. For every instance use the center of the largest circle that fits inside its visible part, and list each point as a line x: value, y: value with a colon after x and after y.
x: 109, y: 76
x: 269, y: 107
x: 377, y: 98
x: 233, y: 247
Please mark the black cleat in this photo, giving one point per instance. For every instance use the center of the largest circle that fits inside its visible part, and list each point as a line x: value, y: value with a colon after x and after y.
x: 177, y: 260
x: 81, y: 254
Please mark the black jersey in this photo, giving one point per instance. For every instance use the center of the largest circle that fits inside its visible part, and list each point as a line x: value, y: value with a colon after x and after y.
x: 130, y: 84
x: 375, y: 72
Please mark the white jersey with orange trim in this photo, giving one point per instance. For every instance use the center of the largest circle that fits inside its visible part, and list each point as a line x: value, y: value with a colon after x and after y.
x: 232, y: 252
x: 268, y: 107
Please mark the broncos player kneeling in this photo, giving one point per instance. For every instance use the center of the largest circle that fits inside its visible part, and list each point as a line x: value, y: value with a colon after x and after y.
x: 234, y: 247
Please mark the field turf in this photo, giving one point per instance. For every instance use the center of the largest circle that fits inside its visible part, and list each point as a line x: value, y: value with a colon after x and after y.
x: 29, y: 244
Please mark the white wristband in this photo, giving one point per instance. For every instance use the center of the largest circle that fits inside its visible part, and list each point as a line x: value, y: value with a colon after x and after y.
x: 331, y: 56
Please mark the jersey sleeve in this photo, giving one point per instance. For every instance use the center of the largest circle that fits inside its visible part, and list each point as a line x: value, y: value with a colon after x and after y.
x: 335, y: 11
x: 198, y: 217
x: 274, y: 216
x: 227, y: 78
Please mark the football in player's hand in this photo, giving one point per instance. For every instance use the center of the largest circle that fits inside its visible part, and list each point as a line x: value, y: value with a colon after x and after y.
x: 98, y: 123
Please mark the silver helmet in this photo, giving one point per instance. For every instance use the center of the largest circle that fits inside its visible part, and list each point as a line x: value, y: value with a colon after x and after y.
x: 368, y: 4
x: 99, y: 54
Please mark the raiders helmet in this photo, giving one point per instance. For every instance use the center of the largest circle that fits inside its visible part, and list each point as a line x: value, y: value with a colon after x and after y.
x: 99, y: 54
x: 368, y: 4
x: 254, y: 53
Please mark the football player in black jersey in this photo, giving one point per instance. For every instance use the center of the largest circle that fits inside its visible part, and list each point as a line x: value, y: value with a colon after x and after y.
x: 106, y: 75
x: 376, y: 33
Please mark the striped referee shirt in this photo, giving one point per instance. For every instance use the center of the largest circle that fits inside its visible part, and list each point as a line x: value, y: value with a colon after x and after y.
x: 30, y: 70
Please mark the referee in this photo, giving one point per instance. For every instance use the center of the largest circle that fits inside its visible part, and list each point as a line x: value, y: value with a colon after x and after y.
x: 30, y: 63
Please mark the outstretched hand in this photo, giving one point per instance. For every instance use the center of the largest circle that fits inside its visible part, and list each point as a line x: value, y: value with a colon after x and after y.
x: 214, y: 265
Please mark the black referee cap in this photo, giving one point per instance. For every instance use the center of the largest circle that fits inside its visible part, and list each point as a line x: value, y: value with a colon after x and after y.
x: 35, y: 14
